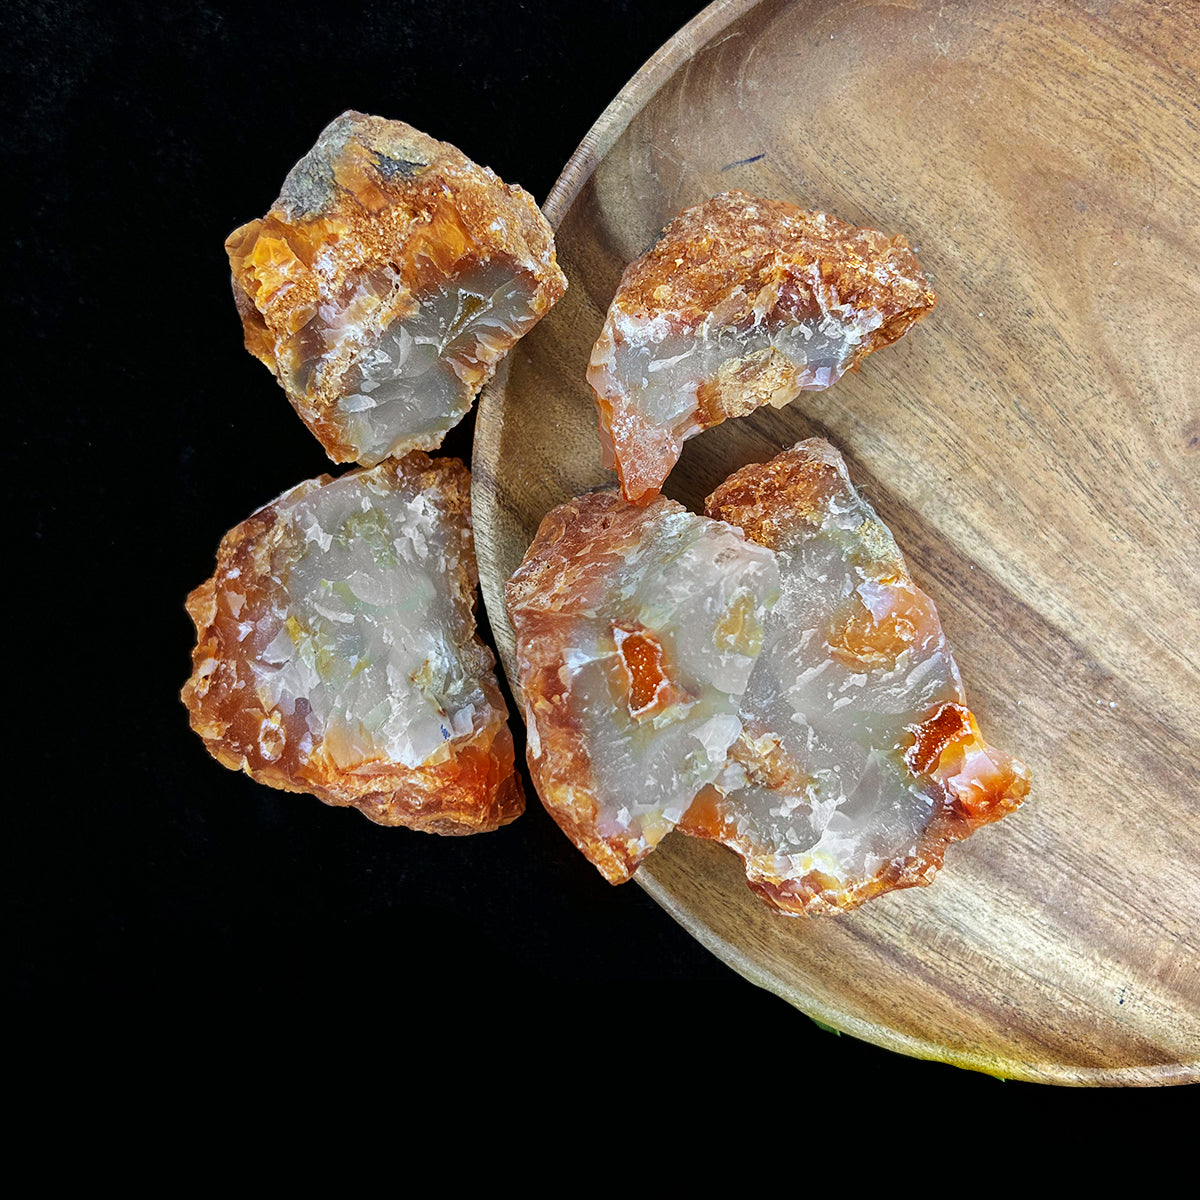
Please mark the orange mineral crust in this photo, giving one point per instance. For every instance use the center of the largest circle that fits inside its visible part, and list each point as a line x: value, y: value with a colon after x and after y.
x: 636, y: 631
x: 336, y: 651
x: 386, y: 282
x: 858, y: 761
x: 742, y: 302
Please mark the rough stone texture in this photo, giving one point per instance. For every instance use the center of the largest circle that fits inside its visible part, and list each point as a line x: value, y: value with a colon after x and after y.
x: 386, y: 282
x: 636, y: 632
x: 742, y: 302
x: 336, y: 651
x: 858, y: 760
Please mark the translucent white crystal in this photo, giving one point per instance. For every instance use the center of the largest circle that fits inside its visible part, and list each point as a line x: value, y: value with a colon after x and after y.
x: 631, y: 674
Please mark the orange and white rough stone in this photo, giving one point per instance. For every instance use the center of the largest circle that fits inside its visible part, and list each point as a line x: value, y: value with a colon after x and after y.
x: 337, y: 654
x: 386, y: 282
x: 636, y: 632
x: 742, y: 302
x: 858, y: 760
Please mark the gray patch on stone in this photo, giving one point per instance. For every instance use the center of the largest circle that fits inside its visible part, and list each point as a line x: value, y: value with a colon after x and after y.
x: 310, y: 187
x: 391, y: 168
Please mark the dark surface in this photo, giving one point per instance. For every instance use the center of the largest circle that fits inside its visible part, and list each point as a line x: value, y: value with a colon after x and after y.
x: 163, y: 900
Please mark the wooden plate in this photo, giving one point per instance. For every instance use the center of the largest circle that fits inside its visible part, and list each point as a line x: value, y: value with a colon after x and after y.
x: 1034, y: 445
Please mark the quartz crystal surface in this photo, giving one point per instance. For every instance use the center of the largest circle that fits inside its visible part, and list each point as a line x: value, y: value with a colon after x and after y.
x: 858, y: 759
x: 386, y: 282
x: 742, y: 302
x: 336, y: 651
x: 636, y: 632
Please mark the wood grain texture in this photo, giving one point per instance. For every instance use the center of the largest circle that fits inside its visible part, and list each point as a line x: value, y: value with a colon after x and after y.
x: 1034, y: 445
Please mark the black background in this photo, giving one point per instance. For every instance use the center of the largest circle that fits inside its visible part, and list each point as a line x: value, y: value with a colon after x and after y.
x: 165, y: 903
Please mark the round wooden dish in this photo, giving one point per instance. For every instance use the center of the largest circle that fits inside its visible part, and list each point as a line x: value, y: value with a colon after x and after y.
x: 1033, y: 445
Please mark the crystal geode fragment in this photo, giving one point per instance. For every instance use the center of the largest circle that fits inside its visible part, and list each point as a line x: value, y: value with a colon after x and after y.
x: 741, y: 302
x: 386, y: 282
x: 336, y: 651
x: 858, y: 760
x: 636, y: 632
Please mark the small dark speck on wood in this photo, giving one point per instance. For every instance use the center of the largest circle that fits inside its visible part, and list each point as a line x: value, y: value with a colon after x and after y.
x: 743, y: 162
